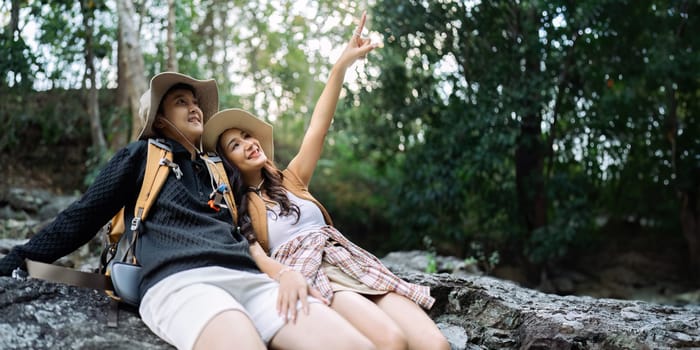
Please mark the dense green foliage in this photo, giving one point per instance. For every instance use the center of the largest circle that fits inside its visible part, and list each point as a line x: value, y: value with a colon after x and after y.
x: 515, y: 127
x: 528, y: 125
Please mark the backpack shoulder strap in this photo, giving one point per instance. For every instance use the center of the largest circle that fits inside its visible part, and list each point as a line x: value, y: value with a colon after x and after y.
x: 158, y: 154
x: 158, y: 163
x: 218, y: 173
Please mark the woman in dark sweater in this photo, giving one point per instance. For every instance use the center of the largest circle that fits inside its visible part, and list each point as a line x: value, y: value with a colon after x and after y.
x: 200, y: 287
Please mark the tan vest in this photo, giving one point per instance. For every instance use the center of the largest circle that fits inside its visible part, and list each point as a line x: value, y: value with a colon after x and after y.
x: 258, y: 211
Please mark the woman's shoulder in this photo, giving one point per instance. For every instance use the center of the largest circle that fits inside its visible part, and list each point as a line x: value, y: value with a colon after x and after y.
x: 133, y: 154
x: 137, y: 146
x: 141, y: 146
x: 291, y: 179
x: 289, y: 175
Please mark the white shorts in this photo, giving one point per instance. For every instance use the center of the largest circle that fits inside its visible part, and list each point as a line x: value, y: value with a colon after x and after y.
x: 179, y: 307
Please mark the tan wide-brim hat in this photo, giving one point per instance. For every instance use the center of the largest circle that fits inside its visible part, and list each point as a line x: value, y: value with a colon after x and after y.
x: 206, y: 92
x: 238, y: 119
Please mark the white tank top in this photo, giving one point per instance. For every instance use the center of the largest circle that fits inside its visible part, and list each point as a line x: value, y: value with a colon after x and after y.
x: 283, y: 228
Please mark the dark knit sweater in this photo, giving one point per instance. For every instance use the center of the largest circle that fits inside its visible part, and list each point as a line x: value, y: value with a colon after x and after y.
x: 180, y: 233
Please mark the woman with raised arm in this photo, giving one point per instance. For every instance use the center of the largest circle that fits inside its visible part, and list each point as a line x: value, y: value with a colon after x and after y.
x: 279, y: 216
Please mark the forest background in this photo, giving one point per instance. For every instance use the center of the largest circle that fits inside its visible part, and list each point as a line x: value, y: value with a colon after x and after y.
x: 508, y: 133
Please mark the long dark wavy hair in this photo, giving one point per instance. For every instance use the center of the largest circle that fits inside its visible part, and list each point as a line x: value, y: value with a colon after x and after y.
x: 272, y: 185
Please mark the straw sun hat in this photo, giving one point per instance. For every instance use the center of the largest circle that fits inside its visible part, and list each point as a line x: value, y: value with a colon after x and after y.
x: 239, y: 119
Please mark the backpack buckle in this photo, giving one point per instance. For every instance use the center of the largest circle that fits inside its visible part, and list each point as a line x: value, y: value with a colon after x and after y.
x: 172, y: 165
x: 135, y: 223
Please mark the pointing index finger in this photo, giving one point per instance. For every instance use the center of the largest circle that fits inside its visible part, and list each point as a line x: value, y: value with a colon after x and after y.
x: 361, y: 26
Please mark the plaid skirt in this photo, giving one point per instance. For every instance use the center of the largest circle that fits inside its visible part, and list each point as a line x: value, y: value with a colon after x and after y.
x: 308, y: 253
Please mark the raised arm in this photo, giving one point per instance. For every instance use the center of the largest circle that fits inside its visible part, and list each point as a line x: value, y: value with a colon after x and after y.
x: 304, y: 163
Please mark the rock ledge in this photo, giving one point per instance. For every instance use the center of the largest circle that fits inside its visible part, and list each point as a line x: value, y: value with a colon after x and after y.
x: 474, y: 312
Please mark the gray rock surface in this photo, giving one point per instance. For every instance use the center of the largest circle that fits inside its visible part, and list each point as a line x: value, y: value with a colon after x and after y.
x: 474, y: 312
x: 496, y: 314
x: 42, y: 315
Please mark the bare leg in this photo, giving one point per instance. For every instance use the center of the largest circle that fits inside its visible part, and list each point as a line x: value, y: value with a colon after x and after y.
x: 421, y: 330
x: 230, y: 329
x: 369, y: 319
x: 321, y: 329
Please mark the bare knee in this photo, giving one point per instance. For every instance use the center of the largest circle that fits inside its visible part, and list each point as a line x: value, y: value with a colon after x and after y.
x: 391, y: 337
x: 433, y: 340
x: 441, y: 342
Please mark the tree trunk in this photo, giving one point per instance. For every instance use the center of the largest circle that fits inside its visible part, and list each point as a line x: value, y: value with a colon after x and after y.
x: 10, y: 30
x: 122, y: 99
x: 131, y: 64
x: 98, y: 139
x: 529, y: 160
x: 119, y: 123
x: 530, y: 187
x: 689, y: 192
x: 172, y: 54
x: 690, y: 223
x: 530, y: 155
x: 13, y: 26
